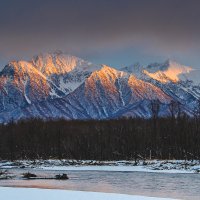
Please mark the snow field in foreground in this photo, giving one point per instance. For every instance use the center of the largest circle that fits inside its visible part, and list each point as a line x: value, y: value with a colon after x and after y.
x: 7, y: 193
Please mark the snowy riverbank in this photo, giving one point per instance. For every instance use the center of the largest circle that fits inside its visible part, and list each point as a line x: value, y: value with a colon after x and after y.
x: 166, y: 166
x: 8, y: 193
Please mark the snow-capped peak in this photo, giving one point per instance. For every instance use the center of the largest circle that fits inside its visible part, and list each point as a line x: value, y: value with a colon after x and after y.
x: 107, y: 71
x: 60, y: 63
x: 167, y: 71
x: 136, y: 69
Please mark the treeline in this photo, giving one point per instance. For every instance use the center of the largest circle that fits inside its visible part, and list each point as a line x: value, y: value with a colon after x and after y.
x: 160, y: 138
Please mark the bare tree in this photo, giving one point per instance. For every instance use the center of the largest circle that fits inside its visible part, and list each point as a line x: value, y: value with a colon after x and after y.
x: 175, y: 109
x: 155, y: 108
x: 197, y: 109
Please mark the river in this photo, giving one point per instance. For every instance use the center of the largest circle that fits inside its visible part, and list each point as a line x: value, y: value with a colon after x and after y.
x: 179, y: 186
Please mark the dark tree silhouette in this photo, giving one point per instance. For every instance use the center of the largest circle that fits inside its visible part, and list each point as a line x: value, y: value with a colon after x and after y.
x: 160, y: 138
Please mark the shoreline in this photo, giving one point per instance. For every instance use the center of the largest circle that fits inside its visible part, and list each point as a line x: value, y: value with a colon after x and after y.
x: 157, y: 166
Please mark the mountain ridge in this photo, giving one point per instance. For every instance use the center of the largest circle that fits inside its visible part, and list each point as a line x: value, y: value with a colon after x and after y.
x: 64, y: 86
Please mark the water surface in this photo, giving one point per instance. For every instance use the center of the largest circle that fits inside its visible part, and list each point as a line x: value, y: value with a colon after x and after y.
x: 180, y: 186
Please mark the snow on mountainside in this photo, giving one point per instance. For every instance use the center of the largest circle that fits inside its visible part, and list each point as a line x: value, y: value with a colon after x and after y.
x: 60, y: 63
x: 180, y: 82
x: 109, y: 93
x: 57, y: 85
x: 169, y: 71
x: 106, y: 93
x: 166, y: 72
x: 47, y: 76
x: 22, y: 84
x: 66, y: 71
x: 135, y: 69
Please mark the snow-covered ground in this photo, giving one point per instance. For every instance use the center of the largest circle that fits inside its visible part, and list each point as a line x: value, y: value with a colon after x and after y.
x: 166, y: 166
x: 114, y: 168
x: 7, y: 193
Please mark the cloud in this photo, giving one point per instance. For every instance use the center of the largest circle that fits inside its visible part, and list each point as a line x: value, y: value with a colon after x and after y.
x: 156, y: 27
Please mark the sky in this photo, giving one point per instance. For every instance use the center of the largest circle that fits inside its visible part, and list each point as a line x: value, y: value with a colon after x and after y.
x: 113, y: 32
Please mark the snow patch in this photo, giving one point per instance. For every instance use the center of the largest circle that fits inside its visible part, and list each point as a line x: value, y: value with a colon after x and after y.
x: 52, y: 194
x: 25, y: 95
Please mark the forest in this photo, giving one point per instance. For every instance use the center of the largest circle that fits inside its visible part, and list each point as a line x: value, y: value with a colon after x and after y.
x: 172, y: 137
x: 176, y: 136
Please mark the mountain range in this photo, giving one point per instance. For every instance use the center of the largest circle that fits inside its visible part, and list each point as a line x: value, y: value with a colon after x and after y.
x: 56, y: 85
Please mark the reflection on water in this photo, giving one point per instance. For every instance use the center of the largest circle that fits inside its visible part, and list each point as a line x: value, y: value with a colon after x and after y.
x: 182, y: 186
